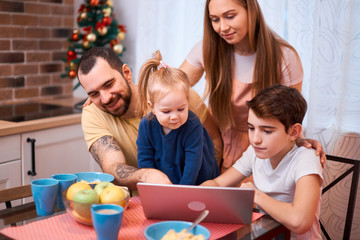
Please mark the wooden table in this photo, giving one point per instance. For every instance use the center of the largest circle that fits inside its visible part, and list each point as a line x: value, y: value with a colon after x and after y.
x: 263, y: 228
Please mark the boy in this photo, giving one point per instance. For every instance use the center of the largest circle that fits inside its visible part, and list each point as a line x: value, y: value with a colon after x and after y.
x: 287, y: 178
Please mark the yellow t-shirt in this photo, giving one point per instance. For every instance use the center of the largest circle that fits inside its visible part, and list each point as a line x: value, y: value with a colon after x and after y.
x: 96, y: 124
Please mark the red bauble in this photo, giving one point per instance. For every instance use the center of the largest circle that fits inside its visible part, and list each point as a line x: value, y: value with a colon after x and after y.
x: 94, y: 3
x: 72, y: 74
x: 71, y: 55
x: 75, y: 37
x: 107, y: 20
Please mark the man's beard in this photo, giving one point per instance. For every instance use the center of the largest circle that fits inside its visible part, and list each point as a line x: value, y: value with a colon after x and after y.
x: 124, y: 107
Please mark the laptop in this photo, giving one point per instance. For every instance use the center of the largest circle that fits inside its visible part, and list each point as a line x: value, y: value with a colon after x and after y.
x: 185, y: 202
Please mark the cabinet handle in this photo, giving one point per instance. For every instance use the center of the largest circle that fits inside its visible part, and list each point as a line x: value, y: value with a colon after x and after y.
x: 32, y: 172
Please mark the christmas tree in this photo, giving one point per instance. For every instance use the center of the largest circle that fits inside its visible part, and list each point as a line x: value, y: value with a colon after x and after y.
x: 97, y: 27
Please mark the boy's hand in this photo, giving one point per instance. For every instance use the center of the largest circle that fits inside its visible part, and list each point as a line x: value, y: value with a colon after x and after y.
x: 311, y: 143
x: 248, y: 185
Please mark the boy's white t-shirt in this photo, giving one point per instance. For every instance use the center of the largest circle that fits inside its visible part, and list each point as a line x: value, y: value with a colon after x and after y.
x: 280, y: 183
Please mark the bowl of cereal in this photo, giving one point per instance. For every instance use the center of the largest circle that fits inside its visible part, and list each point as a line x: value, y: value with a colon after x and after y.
x: 167, y: 230
x: 94, y: 178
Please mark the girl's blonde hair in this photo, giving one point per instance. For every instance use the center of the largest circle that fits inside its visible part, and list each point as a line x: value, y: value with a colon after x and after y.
x: 156, y: 79
x: 218, y: 58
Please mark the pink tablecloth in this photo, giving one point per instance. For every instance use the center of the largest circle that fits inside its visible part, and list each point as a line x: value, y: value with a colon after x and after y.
x: 134, y: 223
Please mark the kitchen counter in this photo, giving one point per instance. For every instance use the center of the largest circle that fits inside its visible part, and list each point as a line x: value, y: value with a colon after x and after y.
x: 9, y: 128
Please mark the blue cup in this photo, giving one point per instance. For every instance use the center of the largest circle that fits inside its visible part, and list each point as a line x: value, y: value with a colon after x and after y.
x: 107, y: 219
x: 44, y: 192
x: 65, y: 181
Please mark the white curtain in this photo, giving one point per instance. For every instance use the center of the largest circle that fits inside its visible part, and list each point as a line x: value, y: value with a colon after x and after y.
x: 172, y: 27
x: 327, y: 36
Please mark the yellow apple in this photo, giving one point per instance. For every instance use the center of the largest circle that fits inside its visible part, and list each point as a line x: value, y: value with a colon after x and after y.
x: 76, y: 187
x: 113, y: 194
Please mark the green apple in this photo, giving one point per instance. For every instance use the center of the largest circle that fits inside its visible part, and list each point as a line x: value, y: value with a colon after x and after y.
x: 101, y: 186
x: 83, y: 200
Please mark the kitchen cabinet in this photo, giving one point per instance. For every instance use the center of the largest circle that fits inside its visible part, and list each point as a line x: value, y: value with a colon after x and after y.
x: 56, y: 150
x: 10, y: 163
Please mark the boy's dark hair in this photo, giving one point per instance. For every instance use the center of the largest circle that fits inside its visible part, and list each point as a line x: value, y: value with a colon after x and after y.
x: 88, y: 59
x: 278, y: 101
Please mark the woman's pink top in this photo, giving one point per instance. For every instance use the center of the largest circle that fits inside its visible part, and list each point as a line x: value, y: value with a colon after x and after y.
x: 236, y: 138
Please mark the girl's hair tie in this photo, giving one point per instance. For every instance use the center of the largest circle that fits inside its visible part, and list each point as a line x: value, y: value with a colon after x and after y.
x: 162, y: 65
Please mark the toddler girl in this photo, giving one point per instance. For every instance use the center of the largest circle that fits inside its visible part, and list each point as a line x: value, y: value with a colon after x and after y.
x: 171, y: 138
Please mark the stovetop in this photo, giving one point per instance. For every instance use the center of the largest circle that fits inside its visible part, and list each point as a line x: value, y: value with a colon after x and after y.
x: 31, y: 111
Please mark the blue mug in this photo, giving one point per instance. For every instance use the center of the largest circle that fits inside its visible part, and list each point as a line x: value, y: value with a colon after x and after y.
x: 65, y: 181
x: 44, y: 192
x: 107, y: 219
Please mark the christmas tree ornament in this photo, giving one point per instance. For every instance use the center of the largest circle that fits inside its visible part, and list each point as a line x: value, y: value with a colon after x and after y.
x: 76, y: 35
x: 107, y: 12
x: 106, y: 20
x: 91, y: 37
x: 83, y: 15
x: 113, y: 43
x: 109, y: 3
x: 85, y: 44
x: 102, y: 30
x: 120, y: 36
x: 118, y: 48
x: 72, y: 74
x: 121, y: 28
x: 94, y: 3
x: 71, y: 55
x: 72, y: 65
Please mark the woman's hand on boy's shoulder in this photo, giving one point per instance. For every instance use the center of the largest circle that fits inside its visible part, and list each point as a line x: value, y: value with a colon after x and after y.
x: 315, y: 144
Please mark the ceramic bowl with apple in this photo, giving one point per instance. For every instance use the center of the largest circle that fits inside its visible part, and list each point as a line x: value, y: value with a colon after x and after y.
x: 79, y: 197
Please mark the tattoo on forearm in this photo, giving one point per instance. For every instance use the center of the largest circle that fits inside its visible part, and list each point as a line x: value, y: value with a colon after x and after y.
x: 102, y: 145
x: 123, y: 171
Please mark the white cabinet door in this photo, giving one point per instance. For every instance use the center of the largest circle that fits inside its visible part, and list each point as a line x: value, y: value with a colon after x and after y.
x: 9, y: 148
x: 10, y: 176
x: 10, y: 164
x: 57, y: 150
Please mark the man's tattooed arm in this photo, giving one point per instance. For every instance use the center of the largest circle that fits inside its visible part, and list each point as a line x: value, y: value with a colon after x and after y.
x: 111, y: 159
x: 101, y: 147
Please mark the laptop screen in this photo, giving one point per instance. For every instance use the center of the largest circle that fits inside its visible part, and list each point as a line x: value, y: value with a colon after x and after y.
x: 185, y: 202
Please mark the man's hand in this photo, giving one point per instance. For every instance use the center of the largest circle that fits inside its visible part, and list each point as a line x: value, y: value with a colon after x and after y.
x: 151, y: 175
x: 311, y: 143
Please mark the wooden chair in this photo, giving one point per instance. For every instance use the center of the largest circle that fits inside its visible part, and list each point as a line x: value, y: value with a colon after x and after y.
x: 11, y: 215
x: 15, y: 193
x: 355, y: 170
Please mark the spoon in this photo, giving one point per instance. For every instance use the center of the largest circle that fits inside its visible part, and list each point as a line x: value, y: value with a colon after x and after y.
x: 196, y: 222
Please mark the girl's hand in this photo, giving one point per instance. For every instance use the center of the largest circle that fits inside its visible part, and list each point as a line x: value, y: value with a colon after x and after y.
x: 311, y: 143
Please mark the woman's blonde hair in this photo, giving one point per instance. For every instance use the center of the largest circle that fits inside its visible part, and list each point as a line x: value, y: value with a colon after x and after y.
x: 156, y: 79
x: 217, y: 52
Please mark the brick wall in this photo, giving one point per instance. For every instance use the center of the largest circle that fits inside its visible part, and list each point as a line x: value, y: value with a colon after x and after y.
x: 33, y: 42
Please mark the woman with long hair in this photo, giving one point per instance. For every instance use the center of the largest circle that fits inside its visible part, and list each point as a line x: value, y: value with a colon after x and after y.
x: 240, y: 55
